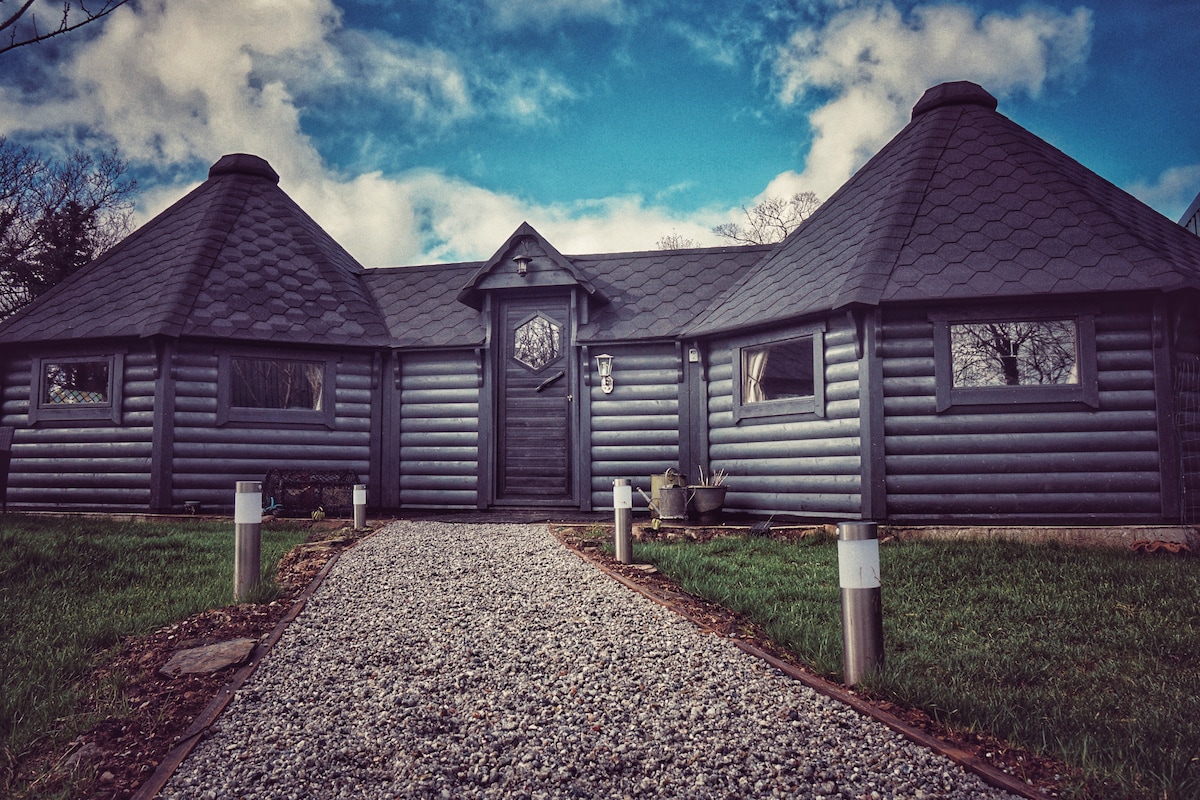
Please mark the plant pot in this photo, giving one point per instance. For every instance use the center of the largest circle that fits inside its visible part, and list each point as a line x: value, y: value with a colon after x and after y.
x: 707, y: 501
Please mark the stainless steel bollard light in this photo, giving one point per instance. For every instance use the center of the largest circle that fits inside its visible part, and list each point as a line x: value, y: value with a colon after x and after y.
x: 623, y: 520
x: 862, y: 604
x: 247, y: 523
x: 360, y: 506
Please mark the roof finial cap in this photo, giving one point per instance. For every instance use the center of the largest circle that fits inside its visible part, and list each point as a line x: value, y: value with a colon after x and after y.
x: 243, y: 164
x: 954, y: 93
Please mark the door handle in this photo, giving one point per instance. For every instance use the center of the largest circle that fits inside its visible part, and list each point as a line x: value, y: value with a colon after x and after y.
x: 553, y: 379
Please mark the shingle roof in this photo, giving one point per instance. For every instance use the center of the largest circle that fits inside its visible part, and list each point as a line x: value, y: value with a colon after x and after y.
x: 651, y: 295
x: 420, y: 304
x: 235, y: 258
x: 962, y: 203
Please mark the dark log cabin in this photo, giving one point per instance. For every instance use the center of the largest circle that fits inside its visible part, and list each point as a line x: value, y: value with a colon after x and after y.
x: 973, y: 328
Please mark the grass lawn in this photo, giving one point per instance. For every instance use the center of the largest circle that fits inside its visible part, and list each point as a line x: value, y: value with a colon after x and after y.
x: 1089, y: 656
x: 71, y: 586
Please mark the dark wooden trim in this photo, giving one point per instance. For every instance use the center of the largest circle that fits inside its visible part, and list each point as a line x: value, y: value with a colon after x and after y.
x: 1164, y: 391
x: 375, y: 445
x: 693, y: 407
x: 869, y: 329
x: 162, y: 452
x: 486, y: 364
x: 389, y: 438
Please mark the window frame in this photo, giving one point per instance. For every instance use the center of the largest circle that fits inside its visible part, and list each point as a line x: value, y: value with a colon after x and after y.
x: 813, y: 404
x: 1085, y: 392
x: 108, y: 411
x: 227, y: 413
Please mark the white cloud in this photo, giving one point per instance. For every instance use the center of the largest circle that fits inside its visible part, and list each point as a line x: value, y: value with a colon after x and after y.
x: 174, y: 83
x: 875, y: 63
x: 542, y: 13
x: 1173, y: 191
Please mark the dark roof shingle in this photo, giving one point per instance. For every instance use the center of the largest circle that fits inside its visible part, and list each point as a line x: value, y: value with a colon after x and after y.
x: 235, y: 258
x: 963, y: 203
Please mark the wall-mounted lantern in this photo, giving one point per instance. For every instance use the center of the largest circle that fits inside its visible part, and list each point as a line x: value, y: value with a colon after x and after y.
x: 604, y: 365
x: 523, y: 259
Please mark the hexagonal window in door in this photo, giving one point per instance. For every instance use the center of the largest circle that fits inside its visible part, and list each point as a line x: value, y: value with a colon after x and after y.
x: 537, y: 342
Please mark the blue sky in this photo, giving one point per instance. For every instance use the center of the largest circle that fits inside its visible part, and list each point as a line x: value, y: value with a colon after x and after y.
x: 429, y: 130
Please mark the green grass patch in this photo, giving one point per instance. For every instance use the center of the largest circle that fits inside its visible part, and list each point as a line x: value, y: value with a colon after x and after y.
x: 1088, y: 656
x: 70, y: 587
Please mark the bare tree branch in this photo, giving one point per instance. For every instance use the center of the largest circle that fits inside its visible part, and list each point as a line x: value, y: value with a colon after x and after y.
x: 24, y: 23
x: 675, y: 241
x: 772, y: 220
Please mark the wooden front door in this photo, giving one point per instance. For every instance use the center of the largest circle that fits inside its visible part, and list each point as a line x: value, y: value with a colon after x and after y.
x: 534, y: 447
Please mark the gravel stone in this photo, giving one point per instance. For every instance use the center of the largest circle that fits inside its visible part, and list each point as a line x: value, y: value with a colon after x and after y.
x: 487, y: 661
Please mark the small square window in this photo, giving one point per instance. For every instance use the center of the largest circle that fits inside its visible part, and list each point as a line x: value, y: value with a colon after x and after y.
x: 779, y: 376
x: 1013, y: 359
x: 76, y: 387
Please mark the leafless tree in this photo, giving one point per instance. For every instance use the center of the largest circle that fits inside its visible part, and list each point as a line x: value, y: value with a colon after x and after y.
x: 675, y: 241
x: 20, y: 24
x: 56, y: 216
x: 771, y: 220
x: 1036, y: 352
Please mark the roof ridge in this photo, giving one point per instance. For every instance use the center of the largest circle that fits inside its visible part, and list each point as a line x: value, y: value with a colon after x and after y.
x: 883, y: 253
x: 180, y: 301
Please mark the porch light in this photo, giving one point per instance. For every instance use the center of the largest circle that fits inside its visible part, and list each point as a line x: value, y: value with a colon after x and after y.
x: 604, y: 364
x: 523, y: 259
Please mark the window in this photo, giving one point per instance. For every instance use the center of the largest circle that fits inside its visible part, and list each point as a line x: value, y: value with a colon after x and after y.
x: 76, y: 387
x: 779, y: 376
x: 537, y: 342
x: 275, y: 383
x: 1015, y: 360
x: 272, y: 389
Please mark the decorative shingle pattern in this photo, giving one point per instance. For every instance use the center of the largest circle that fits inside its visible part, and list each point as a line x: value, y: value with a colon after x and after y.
x: 657, y: 294
x: 420, y: 306
x: 235, y: 258
x: 963, y: 204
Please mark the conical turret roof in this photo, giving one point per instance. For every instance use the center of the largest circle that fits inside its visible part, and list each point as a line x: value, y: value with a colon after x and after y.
x: 963, y: 203
x: 235, y: 258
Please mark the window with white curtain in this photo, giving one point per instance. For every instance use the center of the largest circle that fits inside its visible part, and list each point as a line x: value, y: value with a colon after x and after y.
x: 779, y: 375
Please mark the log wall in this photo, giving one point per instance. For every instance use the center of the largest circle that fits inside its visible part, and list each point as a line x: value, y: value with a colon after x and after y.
x: 92, y: 464
x: 1023, y: 462
x: 798, y: 464
x: 210, y: 459
x: 634, y: 431
x: 439, y: 429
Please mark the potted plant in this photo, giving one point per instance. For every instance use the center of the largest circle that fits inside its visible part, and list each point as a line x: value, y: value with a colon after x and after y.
x: 708, y: 494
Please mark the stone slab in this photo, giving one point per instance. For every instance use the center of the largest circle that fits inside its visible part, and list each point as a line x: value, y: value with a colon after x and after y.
x: 209, y: 658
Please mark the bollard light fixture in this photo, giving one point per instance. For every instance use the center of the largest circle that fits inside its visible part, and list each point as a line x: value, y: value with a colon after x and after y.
x: 604, y: 363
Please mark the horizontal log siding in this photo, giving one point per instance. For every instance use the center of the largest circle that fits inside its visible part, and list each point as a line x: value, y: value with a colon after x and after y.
x: 803, y: 465
x: 209, y: 460
x: 1187, y: 407
x: 1022, y: 462
x: 100, y: 466
x: 439, y: 429
x: 635, y: 429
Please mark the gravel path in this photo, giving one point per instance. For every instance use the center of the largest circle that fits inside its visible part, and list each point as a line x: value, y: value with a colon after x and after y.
x: 465, y: 661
